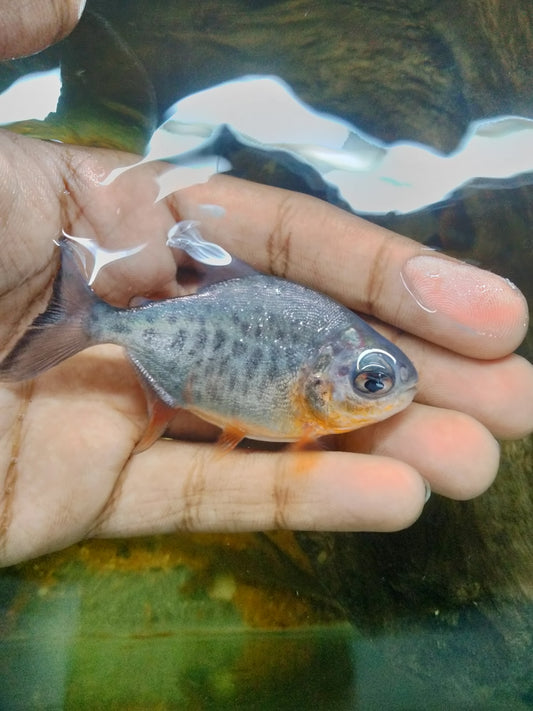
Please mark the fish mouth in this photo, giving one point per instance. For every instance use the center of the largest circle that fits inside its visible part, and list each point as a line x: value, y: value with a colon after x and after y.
x: 410, y: 393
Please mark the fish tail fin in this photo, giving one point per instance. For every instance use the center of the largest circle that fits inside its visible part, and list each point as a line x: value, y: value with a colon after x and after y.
x: 59, y: 332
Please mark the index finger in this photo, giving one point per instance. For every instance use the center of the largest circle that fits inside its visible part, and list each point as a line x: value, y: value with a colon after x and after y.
x: 367, y: 267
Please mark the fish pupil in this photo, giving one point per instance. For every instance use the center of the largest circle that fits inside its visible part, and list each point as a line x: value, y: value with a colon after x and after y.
x: 374, y: 384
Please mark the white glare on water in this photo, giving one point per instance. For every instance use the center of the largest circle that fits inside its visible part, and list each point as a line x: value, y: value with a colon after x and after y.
x: 262, y: 111
x: 33, y: 96
x: 371, y: 176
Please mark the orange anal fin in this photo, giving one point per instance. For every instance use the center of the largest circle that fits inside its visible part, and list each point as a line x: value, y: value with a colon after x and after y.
x: 229, y: 439
x: 160, y: 415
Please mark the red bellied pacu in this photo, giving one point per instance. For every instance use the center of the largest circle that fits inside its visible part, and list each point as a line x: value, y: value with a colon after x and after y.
x: 259, y: 356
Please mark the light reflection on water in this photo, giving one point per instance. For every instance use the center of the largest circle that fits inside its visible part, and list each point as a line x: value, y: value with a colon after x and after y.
x: 33, y: 96
x: 371, y: 176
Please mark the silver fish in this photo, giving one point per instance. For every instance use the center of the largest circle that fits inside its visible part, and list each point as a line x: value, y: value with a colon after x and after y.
x: 259, y: 356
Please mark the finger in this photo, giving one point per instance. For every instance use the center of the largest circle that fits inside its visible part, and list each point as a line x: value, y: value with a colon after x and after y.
x: 498, y: 393
x: 173, y: 487
x: 367, y: 267
x: 28, y: 27
x: 452, y: 451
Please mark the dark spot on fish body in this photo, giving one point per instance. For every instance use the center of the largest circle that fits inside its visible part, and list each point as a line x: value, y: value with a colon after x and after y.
x: 122, y: 327
x: 238, y: 349
x: 223, y: 364
x: 216, y: 388
x: 234, y: 389
x: 273, y: 364
x: 219, y: 340
x: 293, y: 358
x: 253, y: 362
x: 149, y: 334
x: 245, y: 328
x: 194, y: 344
x: 280, y: 362
x: 200, y: 339
x: 179, y: 340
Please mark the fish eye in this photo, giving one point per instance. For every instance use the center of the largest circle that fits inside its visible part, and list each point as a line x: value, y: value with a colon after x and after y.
x: 373, y: 382
x: 374, y: 373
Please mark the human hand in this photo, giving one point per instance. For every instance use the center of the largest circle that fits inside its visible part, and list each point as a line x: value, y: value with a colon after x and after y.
x: 67, y: 438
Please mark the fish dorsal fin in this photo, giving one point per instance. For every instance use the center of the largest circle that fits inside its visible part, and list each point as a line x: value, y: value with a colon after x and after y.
x: 214, y: 263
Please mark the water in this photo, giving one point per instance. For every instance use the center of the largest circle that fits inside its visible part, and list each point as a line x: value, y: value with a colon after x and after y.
x: 438, y: 616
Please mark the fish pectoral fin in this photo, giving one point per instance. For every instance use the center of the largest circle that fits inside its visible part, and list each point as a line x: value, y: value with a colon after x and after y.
x: 230, y: 438
x: 160, y: 416
x: 160, y: 413
x: 305, y: 444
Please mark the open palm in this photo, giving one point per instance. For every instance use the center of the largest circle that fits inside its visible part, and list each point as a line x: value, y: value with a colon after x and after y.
x: 68, y: 436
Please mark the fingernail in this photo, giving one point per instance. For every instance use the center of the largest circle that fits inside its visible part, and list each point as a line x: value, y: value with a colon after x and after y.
x: 476, y: 299
x: 81, y: 7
